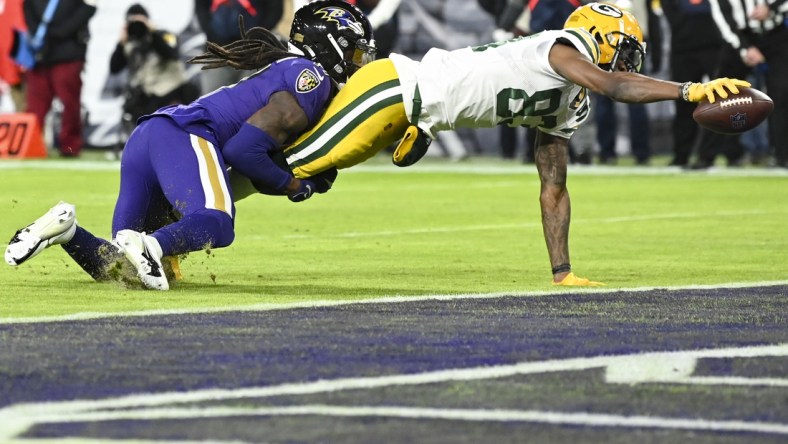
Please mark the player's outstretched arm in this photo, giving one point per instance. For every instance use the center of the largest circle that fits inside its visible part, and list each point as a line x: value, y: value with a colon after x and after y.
x: 632, y: 87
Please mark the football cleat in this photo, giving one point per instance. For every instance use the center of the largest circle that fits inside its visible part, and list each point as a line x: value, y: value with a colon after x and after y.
x: 144, y: 253
x: 56, y: 226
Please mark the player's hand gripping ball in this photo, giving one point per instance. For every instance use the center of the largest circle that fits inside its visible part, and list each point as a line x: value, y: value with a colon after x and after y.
x: 736, y: 114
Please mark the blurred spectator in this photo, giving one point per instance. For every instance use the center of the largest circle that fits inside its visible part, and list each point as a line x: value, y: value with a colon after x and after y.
x: 383, y: 17
x: 11, y: 19
x: 546, y: 15
x: 59, y: 64
x: 695, y: 44
x: 286, y: 20
x: 218, y: 19
x: 756, y: 141
x: 511, y: 17
x: 156, y: 75
x: 756, y: 36
x: 550, y: 14
x: 505, y: 13
x: 603, y: 108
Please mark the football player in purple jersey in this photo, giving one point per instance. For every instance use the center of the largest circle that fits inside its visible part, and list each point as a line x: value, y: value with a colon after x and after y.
x: 177, y: 157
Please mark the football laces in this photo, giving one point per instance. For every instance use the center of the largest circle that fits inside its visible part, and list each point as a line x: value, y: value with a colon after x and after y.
x: 736, y: 101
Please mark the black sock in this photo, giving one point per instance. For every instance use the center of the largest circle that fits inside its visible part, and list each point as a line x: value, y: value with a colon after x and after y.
x: 92, y: 253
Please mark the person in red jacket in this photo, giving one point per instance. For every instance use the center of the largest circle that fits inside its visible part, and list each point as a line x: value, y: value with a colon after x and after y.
x: 11, y: 20
x: 58, y: 68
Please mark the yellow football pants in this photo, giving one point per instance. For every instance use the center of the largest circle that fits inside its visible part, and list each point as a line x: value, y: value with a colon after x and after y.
x: 366, y: 116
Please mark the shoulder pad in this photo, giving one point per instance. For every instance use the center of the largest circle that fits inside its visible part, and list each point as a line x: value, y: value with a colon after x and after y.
x: 583, y: 41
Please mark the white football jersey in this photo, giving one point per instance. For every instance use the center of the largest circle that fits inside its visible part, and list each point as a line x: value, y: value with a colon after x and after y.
x: 508, y: 82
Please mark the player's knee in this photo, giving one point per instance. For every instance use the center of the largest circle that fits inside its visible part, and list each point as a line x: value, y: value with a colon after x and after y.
x: 220, y: 226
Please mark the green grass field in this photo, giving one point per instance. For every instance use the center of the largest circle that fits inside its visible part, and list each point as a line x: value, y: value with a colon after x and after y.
x: 435, y: 228
x: 261, y: 342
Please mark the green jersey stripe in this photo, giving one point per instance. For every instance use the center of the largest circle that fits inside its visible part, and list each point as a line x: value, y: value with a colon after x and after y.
x: 343, y: 130
x: 370, y: 100
x: 357, y: 102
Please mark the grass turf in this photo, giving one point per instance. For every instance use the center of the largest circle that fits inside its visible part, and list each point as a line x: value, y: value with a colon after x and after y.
x: 431, y: 229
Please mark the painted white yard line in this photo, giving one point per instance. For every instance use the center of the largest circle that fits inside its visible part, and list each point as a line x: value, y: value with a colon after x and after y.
x: 641, y: 369
x: 394, y: 299
x: 493, y: 227
x: 341, y: 384
x: 579, y: 170
x: 73, y: 165
x: 431, y: 230
x: 725, y: 380
x: 15, y: 419
x: 473, y: 166
x: 473, y: 415
x: 113, y: 441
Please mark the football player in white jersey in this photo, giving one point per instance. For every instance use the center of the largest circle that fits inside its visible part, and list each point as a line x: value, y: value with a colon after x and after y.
x: 538, y: 81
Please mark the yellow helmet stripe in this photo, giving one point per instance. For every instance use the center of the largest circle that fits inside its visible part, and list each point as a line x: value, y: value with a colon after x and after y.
x: 592, y: 47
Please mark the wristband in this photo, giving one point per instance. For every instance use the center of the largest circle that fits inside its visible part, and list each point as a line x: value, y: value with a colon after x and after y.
x: 562, y: 268
x: 684, y: 91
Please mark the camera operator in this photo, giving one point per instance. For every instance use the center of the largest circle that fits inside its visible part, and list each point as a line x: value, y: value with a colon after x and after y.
x: 156, y: 75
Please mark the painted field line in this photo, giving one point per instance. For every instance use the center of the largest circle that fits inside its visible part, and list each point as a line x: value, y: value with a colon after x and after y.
x: 471, y: 415
x: 490, y: 227
x: 470, y: 167
x: 114, y: 441
x: 394, y: 299
x: 732, y: 381
x: 15, y: 419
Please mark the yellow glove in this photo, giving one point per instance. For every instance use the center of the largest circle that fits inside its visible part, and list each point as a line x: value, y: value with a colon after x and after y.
x: 573, y: 281
x: 696, y: 92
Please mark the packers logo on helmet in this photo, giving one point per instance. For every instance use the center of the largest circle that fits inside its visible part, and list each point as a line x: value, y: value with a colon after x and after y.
x: 616, y: 31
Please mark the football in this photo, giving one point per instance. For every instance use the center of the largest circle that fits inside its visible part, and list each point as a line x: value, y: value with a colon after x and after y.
x: 736, y: 114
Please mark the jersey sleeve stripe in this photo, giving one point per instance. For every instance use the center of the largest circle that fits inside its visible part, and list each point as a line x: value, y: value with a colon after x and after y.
x: 588, y: 42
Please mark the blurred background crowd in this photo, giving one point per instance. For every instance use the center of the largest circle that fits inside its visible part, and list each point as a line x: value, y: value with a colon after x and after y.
x: 100, y: 64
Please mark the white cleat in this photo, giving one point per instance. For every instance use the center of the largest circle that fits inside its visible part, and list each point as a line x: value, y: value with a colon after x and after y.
x: 144, y: 253
x: 56, y: 226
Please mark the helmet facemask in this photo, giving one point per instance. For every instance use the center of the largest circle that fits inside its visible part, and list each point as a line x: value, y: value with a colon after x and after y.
x: 363, y: 53
x: 351, y: 56
x: 628, y: 51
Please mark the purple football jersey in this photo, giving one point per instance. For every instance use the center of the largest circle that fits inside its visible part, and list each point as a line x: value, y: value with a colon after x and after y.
x: 218, y: 115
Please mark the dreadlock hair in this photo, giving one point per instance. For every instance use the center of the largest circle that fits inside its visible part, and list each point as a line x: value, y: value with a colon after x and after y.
x: 257, y: 48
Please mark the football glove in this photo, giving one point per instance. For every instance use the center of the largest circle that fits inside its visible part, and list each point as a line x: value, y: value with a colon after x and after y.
x: 412, y: 147
x: 570, y: 280
x: 324, y: 180
x: 305, y: 190
x: 696, y: 92
x: 319, y: 183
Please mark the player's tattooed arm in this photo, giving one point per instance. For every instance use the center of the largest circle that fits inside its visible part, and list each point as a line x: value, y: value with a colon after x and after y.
x: 620, y: 86
x: 552, y: 156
